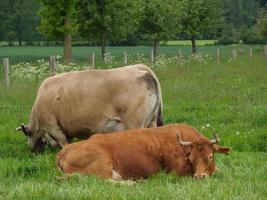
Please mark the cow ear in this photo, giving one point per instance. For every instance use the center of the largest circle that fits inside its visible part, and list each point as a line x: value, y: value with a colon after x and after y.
x: 26, y: 130
x: 220, y: 149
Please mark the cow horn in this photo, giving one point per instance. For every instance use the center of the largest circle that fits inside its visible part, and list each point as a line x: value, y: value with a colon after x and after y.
x: 215, y: 139
x: 183, y: 143
x: 19, y: 128
x: 24, y: 129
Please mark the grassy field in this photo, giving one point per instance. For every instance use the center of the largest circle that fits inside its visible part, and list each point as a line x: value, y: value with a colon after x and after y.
x: 230, y: 98
x: 81, y: 54
x: 187, y: 42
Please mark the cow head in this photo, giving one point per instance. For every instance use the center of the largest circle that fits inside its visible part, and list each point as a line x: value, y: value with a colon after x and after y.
x: 200, y: 153
x: 35, y: 141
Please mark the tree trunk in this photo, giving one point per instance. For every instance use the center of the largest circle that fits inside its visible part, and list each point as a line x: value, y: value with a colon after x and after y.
x: 20, y: 41
x: 18, y: 35
x: 194, y: 46
x: 9, y: 42
x: 67, y: 42
x: 103, y: 47
x: 156, y: 47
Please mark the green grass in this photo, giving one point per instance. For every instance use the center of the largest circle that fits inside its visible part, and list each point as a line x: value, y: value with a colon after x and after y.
x: 81, y: 54
x: 242, y: 176
x: 188, y: 42
x: 229, y: 98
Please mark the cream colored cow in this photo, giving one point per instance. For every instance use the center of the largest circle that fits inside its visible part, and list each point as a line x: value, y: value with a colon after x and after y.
x: 82, y: 103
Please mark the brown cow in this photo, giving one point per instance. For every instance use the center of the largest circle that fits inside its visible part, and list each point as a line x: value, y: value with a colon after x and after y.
x: 82, y: 103
x: 139, y: 153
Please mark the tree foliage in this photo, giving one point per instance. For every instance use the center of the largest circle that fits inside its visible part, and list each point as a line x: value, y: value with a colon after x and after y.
x: 53, y: 14
x: 107, y: 20
x: 198, y: 17
x: 57, y: 22
x: 18, y: 20
x: 240, y: 16
x: 140, y: 21
x: 159, y: 20
x: 241, y: 12
x: 261, y: 26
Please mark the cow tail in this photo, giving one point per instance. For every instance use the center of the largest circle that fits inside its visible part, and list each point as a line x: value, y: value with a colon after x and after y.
x: 159, y: 118
x: 58, y: 162
x: 158, y: 90
x: 159, y: 100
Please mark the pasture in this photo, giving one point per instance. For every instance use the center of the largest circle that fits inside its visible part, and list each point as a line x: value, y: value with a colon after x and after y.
x: 81, y: 54
x: 229, y: 98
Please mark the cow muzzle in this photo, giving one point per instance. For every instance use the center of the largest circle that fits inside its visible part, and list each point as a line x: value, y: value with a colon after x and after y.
x: 39, y: 146
x: 200, y: 176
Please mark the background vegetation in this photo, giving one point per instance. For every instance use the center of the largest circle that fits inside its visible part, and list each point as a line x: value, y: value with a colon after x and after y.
x: 83, y: 54
x: 131, y: 22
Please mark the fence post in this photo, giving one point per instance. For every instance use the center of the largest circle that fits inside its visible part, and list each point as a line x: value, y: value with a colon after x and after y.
x: 125, y: 58
x: 265, y: 50
x: 218, y: 55
x: 199, y: 57
x: 89, y: 60
x: 250, y: 54
x: 52, y: 65
x: 152, y: 56
x: 179, y: 58
x: 6, y: 72
x: 234, y: 52
x: 93, y: 60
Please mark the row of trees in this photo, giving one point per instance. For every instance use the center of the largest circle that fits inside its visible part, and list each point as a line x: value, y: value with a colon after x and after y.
x: 115, y: 21
x: 241, y: 21
x: 18, y: 20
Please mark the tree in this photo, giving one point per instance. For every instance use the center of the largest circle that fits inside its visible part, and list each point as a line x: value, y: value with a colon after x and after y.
x: 159, y: 20
x: 261, y: 26
x: 198, y: 17
x: 18, y: 20
x: 241, y: 12
x: 229, y: 35
x: 57, y: 23
x: 107, y: 20
x: 3, y: 17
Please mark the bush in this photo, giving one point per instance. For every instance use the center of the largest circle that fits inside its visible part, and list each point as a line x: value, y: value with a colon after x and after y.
x: 249, y: 36
x: 229, y: 35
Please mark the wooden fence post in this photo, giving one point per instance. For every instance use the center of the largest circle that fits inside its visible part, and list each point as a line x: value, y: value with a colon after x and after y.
x: 6, y: 72
x: 52, y: 65
x: 250, y: 54
x: 179, y: 57
x: 89, y: 59
x: 234, y: 52
x: 218, y: 55
x: 199, y: 57
x: 265, y: 50
x: 152, y: 56
x: 125, y: 61
x: 93, y: 60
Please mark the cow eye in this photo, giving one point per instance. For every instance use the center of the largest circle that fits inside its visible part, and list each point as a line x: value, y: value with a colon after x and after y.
x: 210, y: 158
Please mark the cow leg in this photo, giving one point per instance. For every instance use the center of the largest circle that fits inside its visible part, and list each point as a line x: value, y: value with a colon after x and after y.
x: 113, y: 125
x: 100, y: 168
x: 116, y: 176
x: 153, y: 123
x: 58, y: 135
x: 50, y: 140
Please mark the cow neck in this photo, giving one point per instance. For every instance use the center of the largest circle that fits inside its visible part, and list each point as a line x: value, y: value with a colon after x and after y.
x: 172, y: 157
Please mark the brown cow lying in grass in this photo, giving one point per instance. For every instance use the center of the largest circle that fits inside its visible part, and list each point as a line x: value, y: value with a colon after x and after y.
x: 137, y: 154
